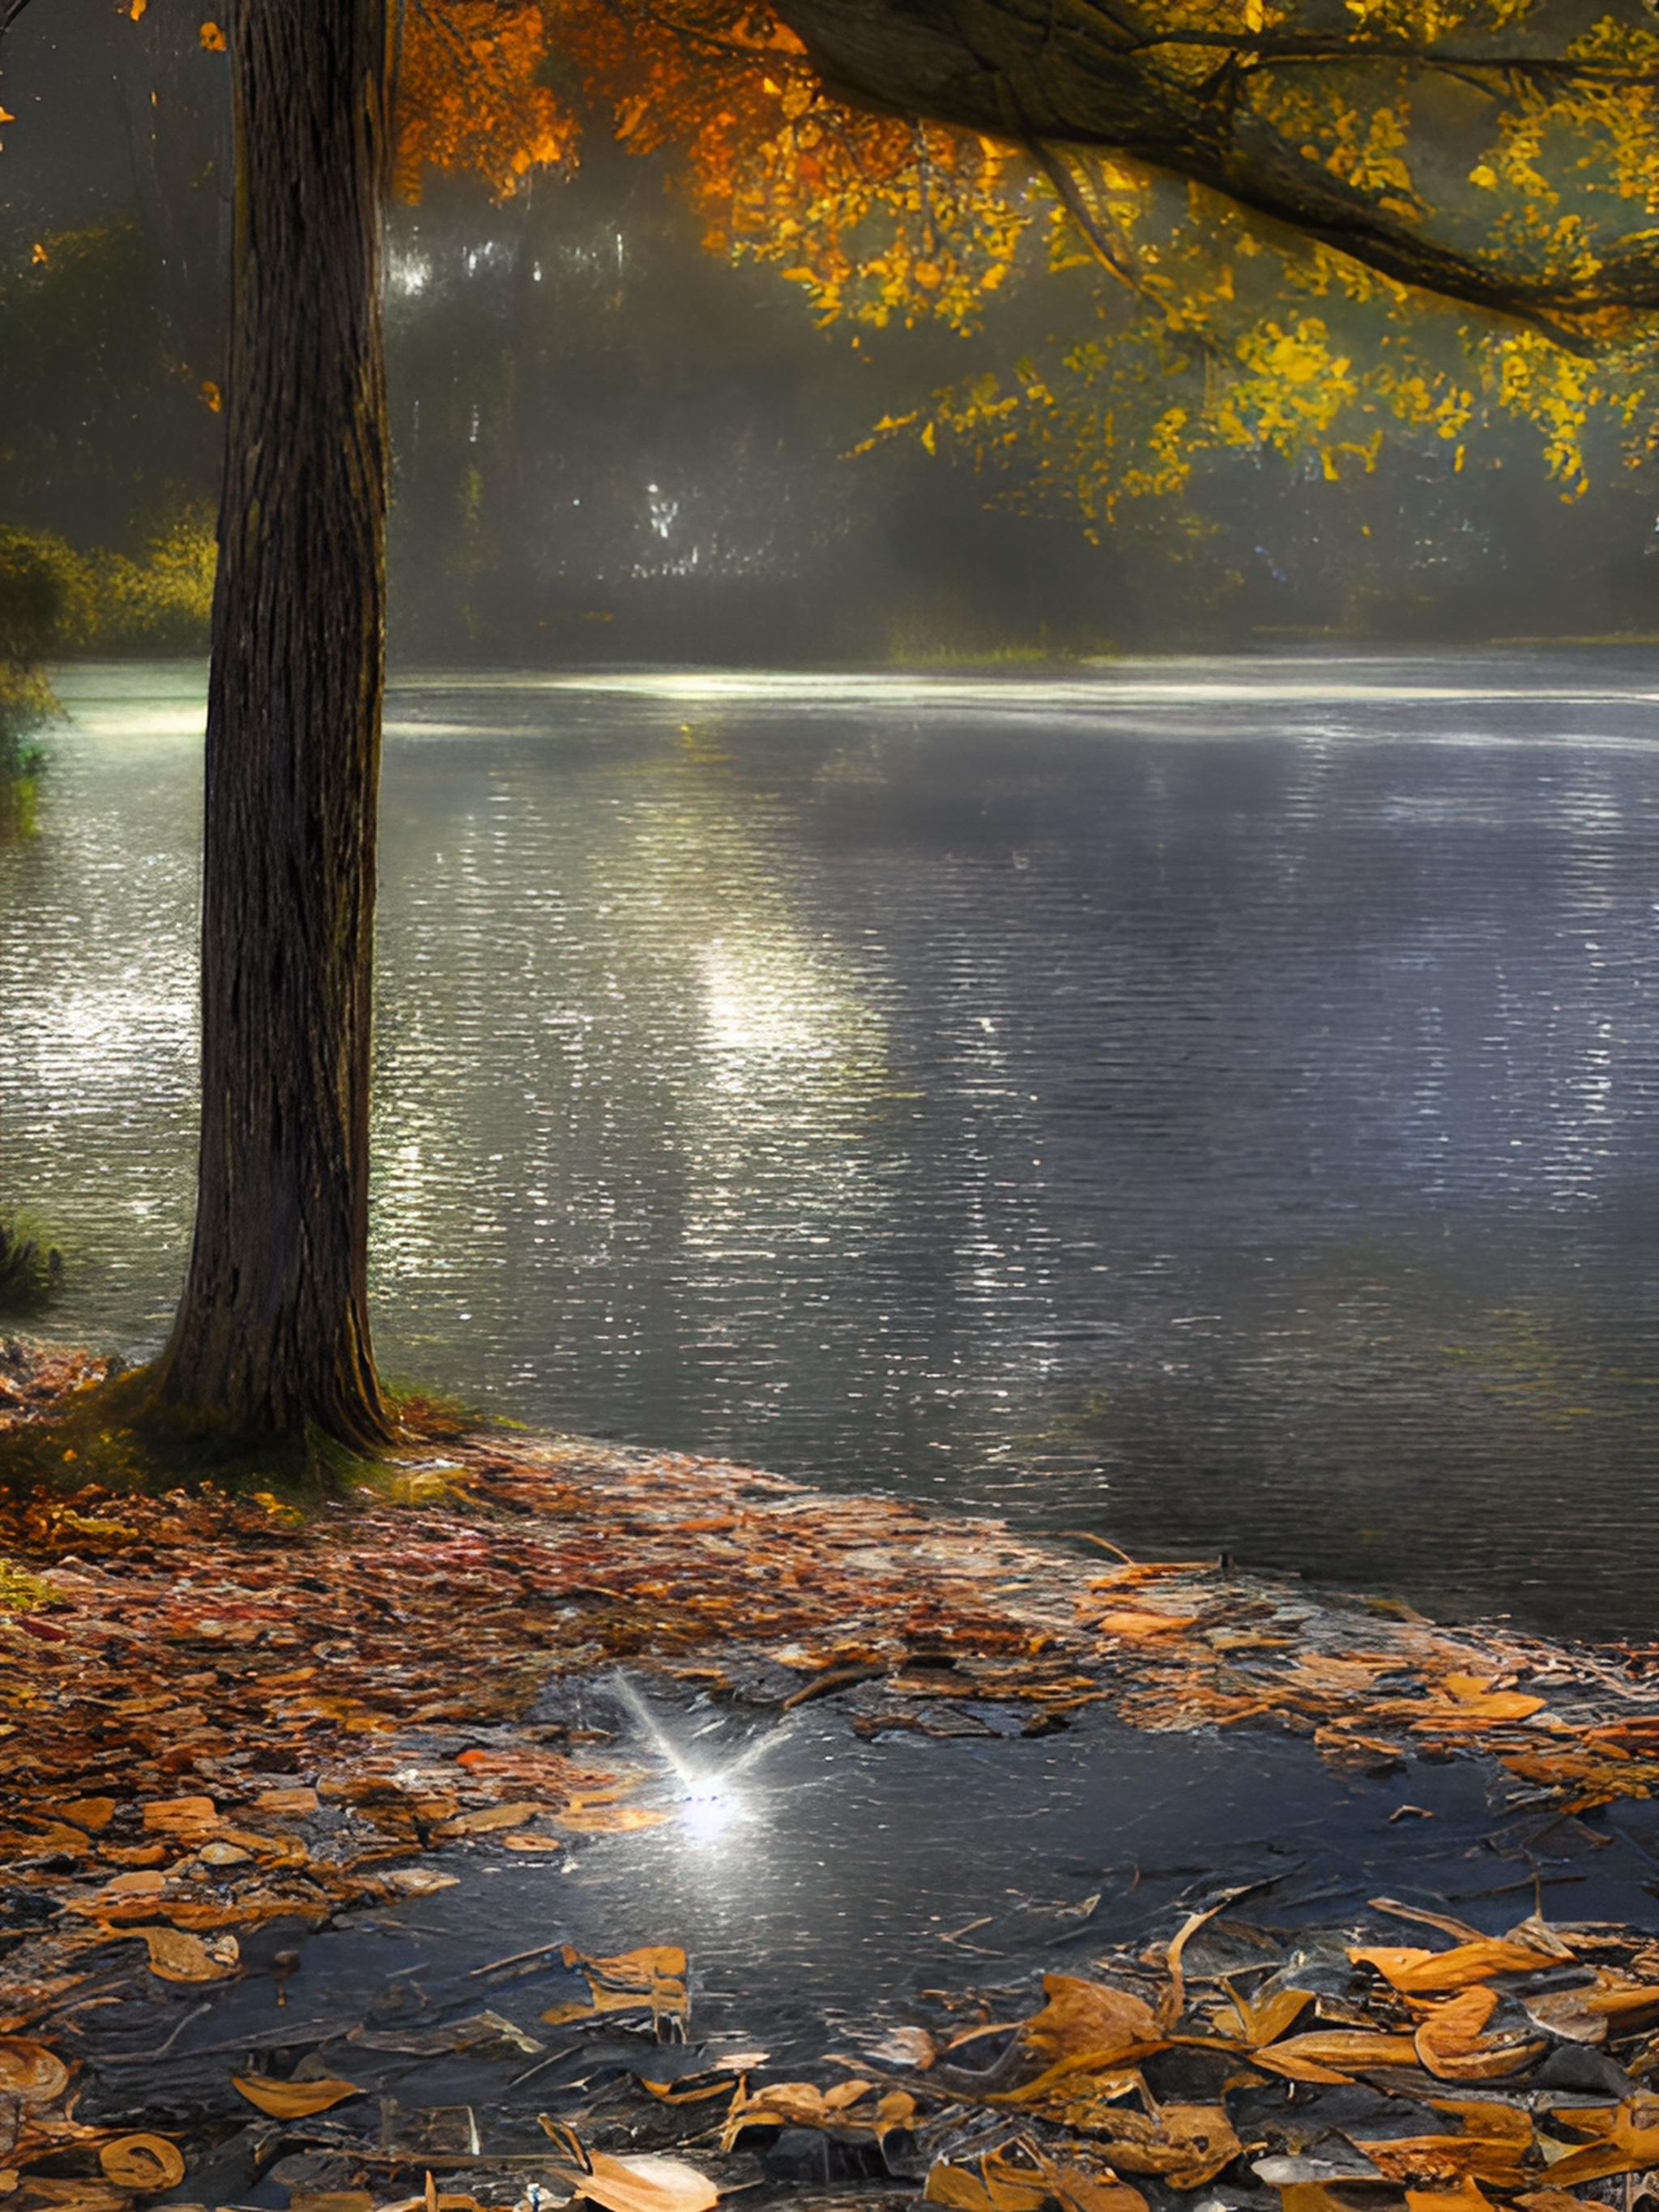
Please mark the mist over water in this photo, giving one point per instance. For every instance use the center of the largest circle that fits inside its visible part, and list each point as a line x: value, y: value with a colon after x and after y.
x: 1210, y: 1102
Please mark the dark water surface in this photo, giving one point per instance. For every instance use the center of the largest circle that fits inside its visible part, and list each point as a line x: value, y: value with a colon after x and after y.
x: 1210, y: 1102
x: 846, y: 1880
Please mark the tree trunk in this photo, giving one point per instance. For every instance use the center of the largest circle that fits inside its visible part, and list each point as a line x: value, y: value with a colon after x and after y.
x: 272, y: 1336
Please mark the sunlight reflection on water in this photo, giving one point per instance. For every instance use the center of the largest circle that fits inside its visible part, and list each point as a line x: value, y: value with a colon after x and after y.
x: 1212, y: 1103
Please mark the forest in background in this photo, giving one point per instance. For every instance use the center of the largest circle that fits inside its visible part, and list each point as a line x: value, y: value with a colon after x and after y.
x: 628, y: 425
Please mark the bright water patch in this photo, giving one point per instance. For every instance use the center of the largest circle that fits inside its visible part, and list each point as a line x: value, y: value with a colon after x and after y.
x: 1210, y: 1102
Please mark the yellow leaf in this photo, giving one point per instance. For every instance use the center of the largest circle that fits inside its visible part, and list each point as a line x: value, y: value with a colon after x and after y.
x: 213, y: 39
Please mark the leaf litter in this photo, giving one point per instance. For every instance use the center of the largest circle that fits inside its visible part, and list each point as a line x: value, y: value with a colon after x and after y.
x: 217, y: 1714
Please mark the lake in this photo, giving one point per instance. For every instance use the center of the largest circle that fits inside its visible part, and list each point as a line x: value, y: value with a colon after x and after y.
x: 1209, y: 1104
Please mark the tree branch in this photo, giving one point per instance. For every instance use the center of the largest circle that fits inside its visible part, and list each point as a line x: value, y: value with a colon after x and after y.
x: 9, y: 12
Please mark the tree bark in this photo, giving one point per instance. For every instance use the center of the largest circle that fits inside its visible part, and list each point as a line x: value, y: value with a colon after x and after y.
x: 272, y: 1336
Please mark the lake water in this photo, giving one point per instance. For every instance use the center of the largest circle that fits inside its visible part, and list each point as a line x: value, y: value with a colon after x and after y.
x: 1211, y: 1103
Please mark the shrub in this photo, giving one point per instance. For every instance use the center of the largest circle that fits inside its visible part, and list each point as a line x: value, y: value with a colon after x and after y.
x: 31, y: 1269
x: 43, y: 588
x: 161, y: 603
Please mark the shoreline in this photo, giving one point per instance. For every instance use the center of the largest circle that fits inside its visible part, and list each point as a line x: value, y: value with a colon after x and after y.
x: 227, y: 1727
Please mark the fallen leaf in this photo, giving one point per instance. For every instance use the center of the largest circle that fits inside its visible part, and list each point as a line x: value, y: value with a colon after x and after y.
x: 1467, y: 2196
x: 988, y: 2184
x: 1627, y: 2141
x: 630, y: 2184
x: 30, y: 2072
x: 1451, y: 2041
x: 294, y: 2100
x: 1334, y: 2054
x: 1585, y: 2014
x: 1187, y: 2144
x: 1416, y: 1973
x: 487, y: 1819
x: 1265, y: 2017
x: 144, y: 2164
x: 1083, y: 2016
x: 175, y: 1956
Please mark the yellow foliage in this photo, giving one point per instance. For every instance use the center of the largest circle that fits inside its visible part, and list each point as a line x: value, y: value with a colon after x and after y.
x: 1181, y: 326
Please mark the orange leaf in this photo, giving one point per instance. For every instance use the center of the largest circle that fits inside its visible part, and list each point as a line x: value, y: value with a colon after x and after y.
x: 294, y: 2100
x: 1419, y: 1973
x: 1451, y: 2042
x: 1083, y: 2016
x: 1333, y: 2054
x: 145, y: 2164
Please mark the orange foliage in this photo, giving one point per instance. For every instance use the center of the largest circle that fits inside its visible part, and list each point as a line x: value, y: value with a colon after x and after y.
x: 471, y: 94
x: 878, y: 219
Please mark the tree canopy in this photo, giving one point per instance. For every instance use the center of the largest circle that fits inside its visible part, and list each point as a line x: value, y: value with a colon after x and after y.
x: 1279, y: 226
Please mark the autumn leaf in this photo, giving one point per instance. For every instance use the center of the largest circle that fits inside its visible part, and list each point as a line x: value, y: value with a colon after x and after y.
x: 213, y: 39
x: 175, y: 1956
x: 1491, y: 2149
x: 488, y: 1820
x: 990, y: 2183
x: 1586, y: 2014
x: 1082, y: 2017
x: 1452, y: 2042
x: 1467, y: 2196
x: 1417, y: 1973
x: 1334, y: 2054
x: 1265, y: 2017
x: 651, y: 1979
x: 628, y: 2185
x: 1626, y: 2141
x: 143, y: 2163
x: 29, y: 2072
x: 995, y: 2183
x: 294, y: 2100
